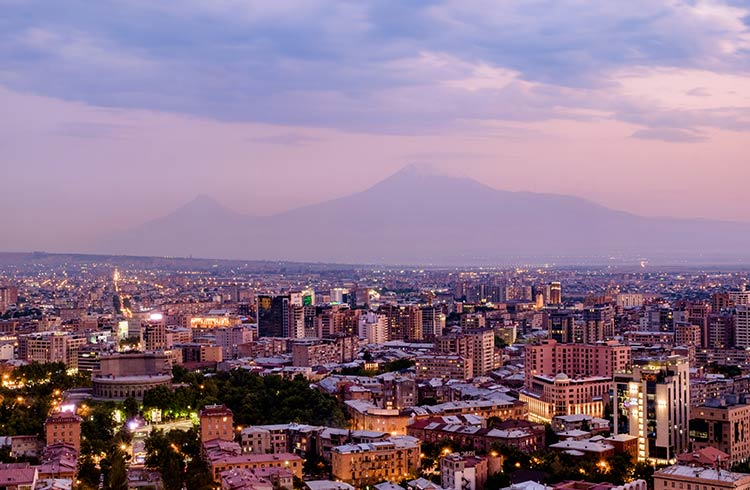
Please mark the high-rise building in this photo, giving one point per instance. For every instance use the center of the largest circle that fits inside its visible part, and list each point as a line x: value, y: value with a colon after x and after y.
x: 550, y: 358
x: 373, y: 327
x: 273, y: 315
x: 598, y: 323
x: 742, y: 326
x: 433, y: 322
x: 652, y: 403
x: 555, y: 293
x: 8, y: 297
x: 475, y: 344
x: 719, y: 330
x: 560, y: 325
x: 723, y: 424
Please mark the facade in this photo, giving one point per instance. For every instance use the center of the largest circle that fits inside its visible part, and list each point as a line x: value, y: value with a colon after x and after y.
x: 695, y: 478
x: 217, y: 422
x: 367, y: 464
x: 463, y: 472
x: 475, y: 344
x: 652, y: 402
x: 53, y: 346
x: 446, y: 366
x: 120, y: 376
x: 63, y: 427
x: 598, y: 323
x: 550, y: 358
x: 373, y: 328
x: 337, y: 350
x: 723, y: 424
x: 273, y: 315
x: 548, y: 397
x: 742, y: 326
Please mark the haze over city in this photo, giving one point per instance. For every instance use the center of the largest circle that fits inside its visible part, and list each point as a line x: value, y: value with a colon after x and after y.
x: 119, y: 113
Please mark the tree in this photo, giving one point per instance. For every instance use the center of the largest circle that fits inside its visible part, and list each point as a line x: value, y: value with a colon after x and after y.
x: 130, y: 407
x: 117, y: 477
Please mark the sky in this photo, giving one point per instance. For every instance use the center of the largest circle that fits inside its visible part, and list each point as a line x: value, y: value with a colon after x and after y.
x: 118, y: 112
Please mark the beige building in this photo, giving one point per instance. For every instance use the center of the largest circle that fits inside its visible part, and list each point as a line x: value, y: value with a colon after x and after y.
x: 679, y: 477
x: 63, y: 427
x: 724, y: 426
x: 446, y: 366
x: 548, y: 397
x: 367, y: 464
x: 217, y: 422
x: 475, y: 344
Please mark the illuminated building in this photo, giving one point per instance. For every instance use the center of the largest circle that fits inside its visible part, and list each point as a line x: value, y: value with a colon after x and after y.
x: 550, y: 358
x: 63, y: 427
x: 555, y: 293
x: 475, y: 344
x: 548, y: 396
x: 433, y: 322
x: 560, y: 325
x: 373, y: 328
x: 120, y: 376
x: 652, y: 402
x: 723, y: 424
x: 463, y: 471
x: 217, y: 422
x: 53, y: 346
x: 367, y: 464
x: 696, y: 478
x: 742, y: 326
x: 598, y: 323
x: 446, y: 366
x: 273, y: 315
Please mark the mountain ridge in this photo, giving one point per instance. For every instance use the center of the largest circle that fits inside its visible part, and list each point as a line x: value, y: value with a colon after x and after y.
x: 418, y: 217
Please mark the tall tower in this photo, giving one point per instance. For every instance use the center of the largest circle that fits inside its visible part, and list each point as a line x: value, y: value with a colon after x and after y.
x: 555, y: 293
x: 652, y: 403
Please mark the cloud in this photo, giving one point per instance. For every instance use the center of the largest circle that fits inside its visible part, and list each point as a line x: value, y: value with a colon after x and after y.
x: 389, y: 67
x: 669, y: 135
x: 285, y: 139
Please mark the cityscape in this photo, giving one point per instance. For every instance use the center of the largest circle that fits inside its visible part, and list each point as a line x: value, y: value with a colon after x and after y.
x: 374, y: 245
x: 196, y: 373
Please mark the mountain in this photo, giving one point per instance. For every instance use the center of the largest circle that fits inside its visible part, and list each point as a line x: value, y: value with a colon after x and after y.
x: 417, y: 218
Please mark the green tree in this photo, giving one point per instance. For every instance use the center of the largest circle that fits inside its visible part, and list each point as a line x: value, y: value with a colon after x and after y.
x: 116, y: 477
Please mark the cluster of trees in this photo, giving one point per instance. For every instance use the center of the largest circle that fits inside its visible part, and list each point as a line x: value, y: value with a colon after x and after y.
x: 249, y: 396
x: 103, y: 440
x: 177, y: 457
x: 388, y: 367
x: 28, y: 398
x: 557, y: 466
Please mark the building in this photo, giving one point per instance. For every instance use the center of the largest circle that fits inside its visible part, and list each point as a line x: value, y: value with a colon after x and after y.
x: 229, y: 338
x: 222, y: 456
x: 555, y: 293
x: 598, y: 323
x: 367, y: 464
x: 475, y: 344
x: 548, y: 397
x: 273, y: 315
x: 366, y: 416
x: 8, y: 297
x: 520, y: 434
x: 629, y: 300
x: 463, y: 471
x: 697, y: 478
x: 560, y: 325
x: 51, y: 346
x: 63, y: 427
x: 742, y: 326
x: 723, y: 424
x: 317, y: 352
x: 433, y: 322
x: 121, y: 376
x: 446, y: 366
x: 18, y: 476
x: 652, y: 402
x: 373, y: 328
x: 217, y: 422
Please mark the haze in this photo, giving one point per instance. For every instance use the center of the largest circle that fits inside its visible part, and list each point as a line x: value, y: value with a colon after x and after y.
x: 117, y: 113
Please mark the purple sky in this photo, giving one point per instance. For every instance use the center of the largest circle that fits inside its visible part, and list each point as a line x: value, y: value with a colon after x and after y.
x: 115, y: 113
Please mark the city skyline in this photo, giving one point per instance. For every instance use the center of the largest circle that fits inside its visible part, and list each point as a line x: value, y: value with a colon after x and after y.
x: 120, y: 113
